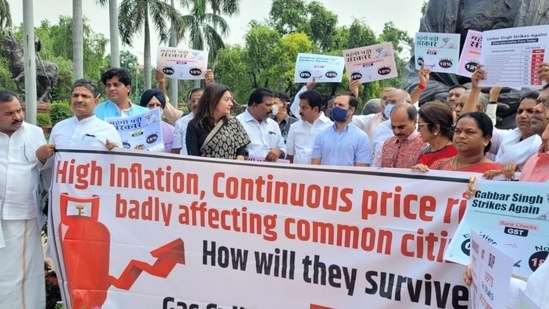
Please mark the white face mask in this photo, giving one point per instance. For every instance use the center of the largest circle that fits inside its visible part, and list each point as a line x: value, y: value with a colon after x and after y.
x: 274, y: 110
x: 387, y: 110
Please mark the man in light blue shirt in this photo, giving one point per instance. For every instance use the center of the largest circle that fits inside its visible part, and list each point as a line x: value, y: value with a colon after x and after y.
x: 118, y: 84
x: 343, y: 143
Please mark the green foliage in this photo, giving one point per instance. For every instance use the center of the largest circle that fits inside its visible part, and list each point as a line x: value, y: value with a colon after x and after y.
x: 60, y: 110
x: 43, y: 120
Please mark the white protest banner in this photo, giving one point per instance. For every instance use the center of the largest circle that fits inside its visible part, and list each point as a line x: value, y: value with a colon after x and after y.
x: 323, y: 68
x: 510, y: 215
x: 438, y: 52
x: 144, y: 130
x: 492, y: 270
x: 511, y: 57
x: 524, y: 302
x: 470, y: 55
x: 181, y: 63
x: 149, y: 230
x: 371, y: 63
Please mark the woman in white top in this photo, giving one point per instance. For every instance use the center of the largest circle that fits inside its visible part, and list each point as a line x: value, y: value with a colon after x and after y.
x: 510, y: 148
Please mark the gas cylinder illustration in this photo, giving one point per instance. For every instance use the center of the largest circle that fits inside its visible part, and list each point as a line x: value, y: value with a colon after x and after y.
x: 85, y: 243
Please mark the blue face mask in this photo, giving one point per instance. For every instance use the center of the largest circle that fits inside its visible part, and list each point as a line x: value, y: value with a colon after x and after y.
x: 387, y: 110
x: 339, y: 114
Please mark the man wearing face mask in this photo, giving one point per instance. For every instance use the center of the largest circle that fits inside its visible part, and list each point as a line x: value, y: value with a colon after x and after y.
x: 264, y: 132
x: 342, y: 143
x: 368, y: 123
x: 280, y: 114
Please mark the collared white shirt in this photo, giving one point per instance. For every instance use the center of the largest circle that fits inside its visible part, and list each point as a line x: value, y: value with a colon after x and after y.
x: 90, y: 132
x: 368, y: 124
x: 382, y: 133
x: 301, y: 138
x: 19, y: 172
x: 264, y: 135
x: 180, y: 132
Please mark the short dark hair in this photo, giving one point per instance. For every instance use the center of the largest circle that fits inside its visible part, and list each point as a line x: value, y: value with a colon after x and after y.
x: 457, y: 86
x: 256, y: 97
x: 433, y: 113
x: 6, y: 96
x: 149, y: 94
x: 484, y: 123
x: 122, y: 74
x: 353, y: 102
x: 313, y: 98
x: 282, y: 96
x: 88, y: 84
x: 193, y: 91
x: 530, y: 95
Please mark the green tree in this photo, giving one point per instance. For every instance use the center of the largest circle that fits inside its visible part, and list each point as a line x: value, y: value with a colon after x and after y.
x: 262, y: 49
x: 232, y: 69
x: 5, y: 15
x: 291, y: 45
x: 134, y: 18
x: 322, y: 26
x: 288, y: 16
x: 205, y: 29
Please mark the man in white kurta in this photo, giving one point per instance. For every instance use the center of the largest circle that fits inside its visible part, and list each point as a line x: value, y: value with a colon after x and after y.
x: 21, y: 259
x: 83, y: 129
x: 267, y: 142
x: 301, y: 137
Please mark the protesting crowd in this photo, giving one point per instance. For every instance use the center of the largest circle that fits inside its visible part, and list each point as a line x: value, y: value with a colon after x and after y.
x: 457, y: 134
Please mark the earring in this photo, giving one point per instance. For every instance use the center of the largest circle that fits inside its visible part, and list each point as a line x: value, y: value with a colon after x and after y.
x: 436, y: 133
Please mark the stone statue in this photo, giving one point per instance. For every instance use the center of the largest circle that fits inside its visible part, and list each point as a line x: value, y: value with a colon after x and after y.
x: 458, y: 16
x: 46, y: 72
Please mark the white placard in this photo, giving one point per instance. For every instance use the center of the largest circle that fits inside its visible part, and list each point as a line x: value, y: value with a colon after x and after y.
x: 371, y: 63
x: 323, y: 68
x: 178, y: 63
x: 438, y: 52
x: 511, y: 57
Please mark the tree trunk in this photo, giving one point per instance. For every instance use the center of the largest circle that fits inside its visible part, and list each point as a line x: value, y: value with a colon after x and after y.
x: 115, y: 40
x: 174, y: 93
x: 147, y: 53
x: 77, y: 40
x: 30, y: 61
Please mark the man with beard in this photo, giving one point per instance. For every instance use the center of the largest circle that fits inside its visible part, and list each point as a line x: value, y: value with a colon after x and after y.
x: 343, y: 143
x: 22, y: 271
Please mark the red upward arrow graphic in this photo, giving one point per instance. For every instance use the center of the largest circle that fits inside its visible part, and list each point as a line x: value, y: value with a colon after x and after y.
x: 313, y: 306
x: 167, y: 257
